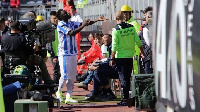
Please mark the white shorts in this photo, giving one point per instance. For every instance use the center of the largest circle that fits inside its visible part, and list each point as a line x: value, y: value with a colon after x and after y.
x: 68, y: 67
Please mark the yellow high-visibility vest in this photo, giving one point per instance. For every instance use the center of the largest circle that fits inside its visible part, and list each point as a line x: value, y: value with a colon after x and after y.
x: 134, y: 23
x: 81, y: 3
x: 137, y: 49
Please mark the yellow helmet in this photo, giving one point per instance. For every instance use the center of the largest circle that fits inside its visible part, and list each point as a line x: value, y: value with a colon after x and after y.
x: 39, y: 18
x: 126, y: 8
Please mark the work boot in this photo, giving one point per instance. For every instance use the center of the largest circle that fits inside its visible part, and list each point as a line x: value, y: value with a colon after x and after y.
x: 130, y: 102
x: 109, y: 96
x: 88, y: 95
x: 106, y: 95
x: 91, y: 97
x: 81, y: 85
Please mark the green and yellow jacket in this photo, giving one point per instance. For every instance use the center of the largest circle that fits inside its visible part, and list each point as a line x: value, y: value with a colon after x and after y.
x: 124, y: 37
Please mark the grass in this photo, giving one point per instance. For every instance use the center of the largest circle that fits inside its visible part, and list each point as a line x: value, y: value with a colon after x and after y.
x: 82, y: 100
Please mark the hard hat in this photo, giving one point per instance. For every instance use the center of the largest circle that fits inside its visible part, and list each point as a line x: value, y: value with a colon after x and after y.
x: 39, y: 18
x: 126, y: 8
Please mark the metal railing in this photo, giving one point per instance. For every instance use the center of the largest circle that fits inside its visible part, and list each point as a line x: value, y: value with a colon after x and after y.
x: 107, y: 8
x: 39, y: 8
x: 92, y: 10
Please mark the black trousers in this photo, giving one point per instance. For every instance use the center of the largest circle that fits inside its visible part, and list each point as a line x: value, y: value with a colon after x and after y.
x: 102, y: 76
x: 124, y: 67
x: 56, y: 71
x: 106, y: 72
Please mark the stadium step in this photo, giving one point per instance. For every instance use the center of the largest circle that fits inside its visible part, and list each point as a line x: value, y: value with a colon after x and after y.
x: 85, y: 44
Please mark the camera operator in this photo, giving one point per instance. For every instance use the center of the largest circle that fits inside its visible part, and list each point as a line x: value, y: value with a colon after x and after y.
x: 15, y: 45
x: 3, y: 29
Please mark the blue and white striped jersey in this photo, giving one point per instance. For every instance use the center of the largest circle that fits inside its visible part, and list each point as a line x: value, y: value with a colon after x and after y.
x: 67, y: 44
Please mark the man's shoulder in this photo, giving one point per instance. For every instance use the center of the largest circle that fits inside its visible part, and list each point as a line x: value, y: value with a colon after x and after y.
x: 6, y: 35
x: 129, y: 25
x: 126, y: 25
x: 62, y: 25
x: 12, y: 38
x: 116, y: 27
x: 77, y: 15
x: 123, y: 26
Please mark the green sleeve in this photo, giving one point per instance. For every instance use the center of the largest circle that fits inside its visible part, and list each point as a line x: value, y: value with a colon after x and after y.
x: 137, y: 50
x: 137, y: 26
x: 137, y: 40
x: 55, y: 43
x: 115, y: 40
x: 1, y: 97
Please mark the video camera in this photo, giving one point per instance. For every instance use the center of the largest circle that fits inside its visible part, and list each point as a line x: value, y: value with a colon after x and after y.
x: 40, y: 32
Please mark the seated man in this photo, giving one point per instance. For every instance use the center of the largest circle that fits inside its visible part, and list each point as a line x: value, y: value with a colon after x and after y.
x: 91, y: 65
x: 102, y: 73
x: 15, y: 45
x: 93, y: 53
x: 79, y: 69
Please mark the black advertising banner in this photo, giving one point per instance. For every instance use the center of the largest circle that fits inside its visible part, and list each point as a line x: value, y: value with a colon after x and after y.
x: 176, y: 44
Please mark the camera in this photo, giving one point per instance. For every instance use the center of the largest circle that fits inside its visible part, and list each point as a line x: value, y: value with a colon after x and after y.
x: 47, y: 32
x: 27, y: 24
x: 39, y: 33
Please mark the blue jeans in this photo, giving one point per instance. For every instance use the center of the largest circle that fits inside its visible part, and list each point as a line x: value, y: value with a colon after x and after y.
x: 96, y: 84
x: 89, y: 77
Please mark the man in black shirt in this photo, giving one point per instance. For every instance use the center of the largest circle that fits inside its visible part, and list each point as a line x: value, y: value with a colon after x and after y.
x: 14, y: 44
x: 3, y: 30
